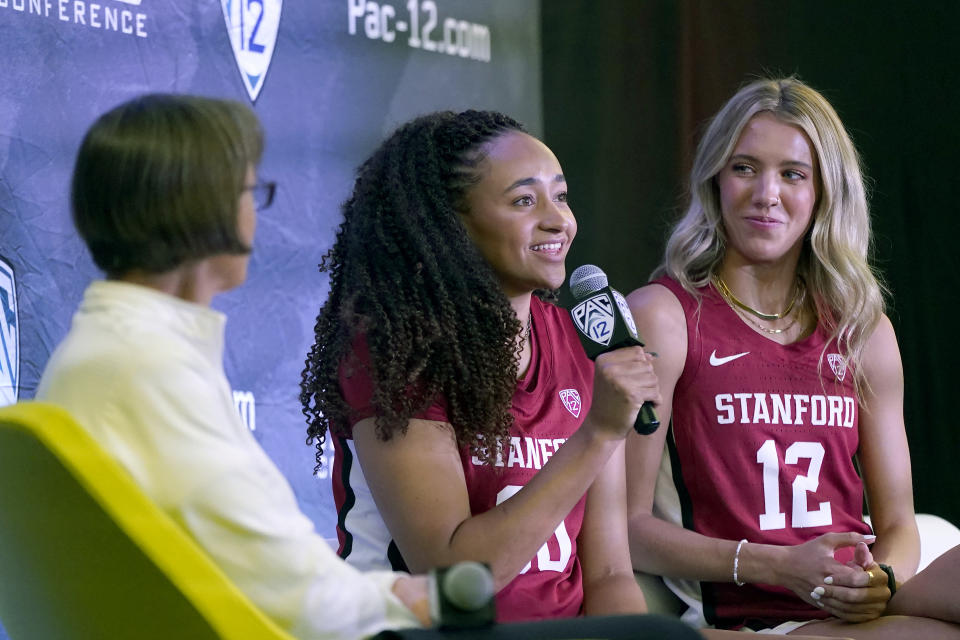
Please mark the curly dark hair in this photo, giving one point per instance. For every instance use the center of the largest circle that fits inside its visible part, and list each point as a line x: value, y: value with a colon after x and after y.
x: 406, y: 275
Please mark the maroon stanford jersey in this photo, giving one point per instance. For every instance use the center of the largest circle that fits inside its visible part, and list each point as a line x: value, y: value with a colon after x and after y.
x: 761, y: 447
x: 549, y: 404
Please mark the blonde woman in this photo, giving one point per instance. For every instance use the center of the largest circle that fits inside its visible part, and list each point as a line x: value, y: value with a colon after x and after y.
x: 780, y: 374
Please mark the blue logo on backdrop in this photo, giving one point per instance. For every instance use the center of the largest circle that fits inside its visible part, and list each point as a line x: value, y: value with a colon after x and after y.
x: 246, y: 405
x: 9, y: 336
x: 252, y: 26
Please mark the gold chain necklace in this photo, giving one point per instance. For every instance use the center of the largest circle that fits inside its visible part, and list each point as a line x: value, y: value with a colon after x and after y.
x: 728, y: 295
x: 760, y: 326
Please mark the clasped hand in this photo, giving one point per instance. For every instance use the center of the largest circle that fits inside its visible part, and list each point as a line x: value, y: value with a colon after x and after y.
x: 856, y: 591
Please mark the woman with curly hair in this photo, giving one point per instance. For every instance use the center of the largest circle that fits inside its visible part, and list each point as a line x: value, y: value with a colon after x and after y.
x: 781, y: 375
x: 449, y: 384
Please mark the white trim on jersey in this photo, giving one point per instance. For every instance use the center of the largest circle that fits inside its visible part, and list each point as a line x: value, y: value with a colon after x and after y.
x: 363, y: 521
x: 666, y: 506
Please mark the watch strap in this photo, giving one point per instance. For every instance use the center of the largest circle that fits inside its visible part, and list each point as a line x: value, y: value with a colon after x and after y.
x: 891, y: 580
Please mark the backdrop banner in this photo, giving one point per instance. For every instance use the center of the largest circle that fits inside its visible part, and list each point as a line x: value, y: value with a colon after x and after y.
x: 329, y: 79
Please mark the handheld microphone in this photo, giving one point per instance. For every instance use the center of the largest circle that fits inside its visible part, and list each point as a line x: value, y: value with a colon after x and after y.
x: 461, y: 596
x: 604, y: 323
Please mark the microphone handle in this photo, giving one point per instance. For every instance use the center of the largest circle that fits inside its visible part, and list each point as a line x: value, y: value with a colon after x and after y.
x: 647, y: 420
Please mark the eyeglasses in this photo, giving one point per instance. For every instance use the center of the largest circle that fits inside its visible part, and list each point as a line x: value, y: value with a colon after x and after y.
x: 263, y: 193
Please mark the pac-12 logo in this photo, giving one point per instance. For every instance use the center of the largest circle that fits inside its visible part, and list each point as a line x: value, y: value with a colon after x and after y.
x: 9, y: 336
x: 252, y: 26
x: 838, y: 364
x: 571, y: 400
x: 625, y: 311
x: 595, y: 319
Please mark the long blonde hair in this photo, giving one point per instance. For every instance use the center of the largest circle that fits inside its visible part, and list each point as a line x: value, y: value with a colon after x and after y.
x: 846, y: 292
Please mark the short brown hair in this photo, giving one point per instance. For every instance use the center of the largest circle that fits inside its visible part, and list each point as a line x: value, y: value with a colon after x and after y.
x: 157, y: 180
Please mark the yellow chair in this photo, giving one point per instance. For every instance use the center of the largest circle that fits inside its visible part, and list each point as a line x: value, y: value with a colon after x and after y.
x: 84, y: 553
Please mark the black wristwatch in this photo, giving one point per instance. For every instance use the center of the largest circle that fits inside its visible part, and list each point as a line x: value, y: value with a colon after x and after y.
x: 891, y: 581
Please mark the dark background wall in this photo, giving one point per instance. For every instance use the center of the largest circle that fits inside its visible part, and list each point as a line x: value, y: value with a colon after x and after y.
x: 628, y: 85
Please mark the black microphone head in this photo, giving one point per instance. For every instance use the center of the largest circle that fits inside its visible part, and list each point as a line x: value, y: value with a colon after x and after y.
x: 468, y: 585
x: 586, y: 279
x: 462, y: 596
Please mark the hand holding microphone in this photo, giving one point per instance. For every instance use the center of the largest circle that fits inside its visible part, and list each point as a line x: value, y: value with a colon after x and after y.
x: 604, y: 323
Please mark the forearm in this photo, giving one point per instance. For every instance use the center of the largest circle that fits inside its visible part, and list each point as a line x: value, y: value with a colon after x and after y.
x: 899, y: 547
x: 662, y: 548
x: 509, y: 535
x: 609, y: 586
x: 932, y: 592
x: 884, y: 455
x: 675, y: 552
x: 615, y: 594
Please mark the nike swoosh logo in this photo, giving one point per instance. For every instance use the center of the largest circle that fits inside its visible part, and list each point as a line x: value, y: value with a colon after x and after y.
x: 716, y: 362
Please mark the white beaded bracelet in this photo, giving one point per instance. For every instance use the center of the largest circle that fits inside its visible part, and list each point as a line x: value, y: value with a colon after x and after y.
x: 736, y: 564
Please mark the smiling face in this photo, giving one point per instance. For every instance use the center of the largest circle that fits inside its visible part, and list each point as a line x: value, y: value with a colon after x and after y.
x: 518, y: 214
x: 768, y: 191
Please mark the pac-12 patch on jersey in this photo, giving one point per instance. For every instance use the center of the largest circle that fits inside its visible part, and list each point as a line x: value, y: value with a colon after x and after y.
x: 571, y: 400
x: 838, y: 364
x: 9, y: 336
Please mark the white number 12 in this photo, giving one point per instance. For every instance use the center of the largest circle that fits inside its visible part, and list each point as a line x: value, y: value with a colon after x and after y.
x: 772, y: 517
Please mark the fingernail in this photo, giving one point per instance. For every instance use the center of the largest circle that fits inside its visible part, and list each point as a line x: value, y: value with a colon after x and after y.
x: 819, y: 604
x: 869, y: 538
x: 828, y: 580
x: 819, y: 591
x: 815, y: 595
